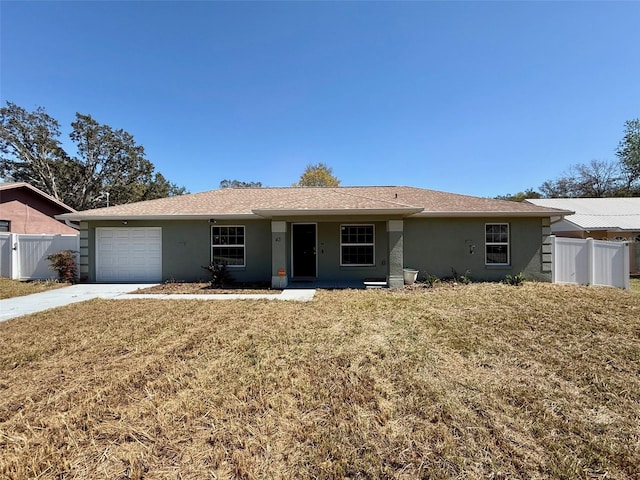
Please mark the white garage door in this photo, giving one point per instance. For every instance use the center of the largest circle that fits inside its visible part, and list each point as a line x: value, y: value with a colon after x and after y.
x: 129, y: 254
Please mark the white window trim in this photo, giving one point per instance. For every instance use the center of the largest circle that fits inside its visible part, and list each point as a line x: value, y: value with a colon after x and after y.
x: 244, y: 245
x: 507, y: 243
x: 373, y: 244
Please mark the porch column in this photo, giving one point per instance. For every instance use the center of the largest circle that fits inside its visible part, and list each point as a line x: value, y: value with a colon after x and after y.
x: 279, y: 274
x: 83, y: 265
x: 395, y: 231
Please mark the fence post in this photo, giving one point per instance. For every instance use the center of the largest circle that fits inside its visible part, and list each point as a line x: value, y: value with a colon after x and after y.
x: 15, y: 256
x: 626, y: 270
x: 591, y: 260
x: 554, y: 262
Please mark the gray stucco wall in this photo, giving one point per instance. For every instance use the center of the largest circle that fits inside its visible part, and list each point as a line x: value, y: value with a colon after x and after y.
x: 329, y: 253
x: 186, y: 247
x: 433, y: 246
x: 436, y: 246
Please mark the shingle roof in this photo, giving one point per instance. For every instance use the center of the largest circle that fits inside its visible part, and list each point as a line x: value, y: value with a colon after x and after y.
x: 598, y: 213
x: 288, y: 201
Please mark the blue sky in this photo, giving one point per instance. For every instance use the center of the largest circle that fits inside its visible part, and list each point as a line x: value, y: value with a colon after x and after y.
x: 481, y: 98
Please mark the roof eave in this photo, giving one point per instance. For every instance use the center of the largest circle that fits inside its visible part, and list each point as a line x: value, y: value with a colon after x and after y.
x: 210, y: 216
x: 463, y: 214
x: 597, y: 228
x: 604, y: 229
x: 414, y: 212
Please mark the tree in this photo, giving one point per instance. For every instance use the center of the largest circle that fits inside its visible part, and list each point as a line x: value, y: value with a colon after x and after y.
x: 603, y: 178
x: 520, y: 196
x: 628, y: 153
x: 108, y: 161
x: 30, y: 150
x: 239, y: 184
x: 319, y: 175
x: 160, y: 187
x: 596, y: 179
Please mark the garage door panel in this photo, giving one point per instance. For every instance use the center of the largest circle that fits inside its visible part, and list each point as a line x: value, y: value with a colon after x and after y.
x: 129, y: 254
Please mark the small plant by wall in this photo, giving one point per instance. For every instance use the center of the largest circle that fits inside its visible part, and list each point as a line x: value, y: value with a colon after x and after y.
x: 220, y: 276
x: 64, y: 262
x: 464, y: 279
x: 430, y: 280
x: 515, y: 280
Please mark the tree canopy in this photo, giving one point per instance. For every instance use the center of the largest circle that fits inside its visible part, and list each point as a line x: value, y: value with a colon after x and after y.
x: 30, y: 150
x: 628, y: 154
x: 598, y: 178
x: 595, y: 179
x: 520, y: 196
x: 318, y: 175
x: 107, y: 161
x: 239, y: 184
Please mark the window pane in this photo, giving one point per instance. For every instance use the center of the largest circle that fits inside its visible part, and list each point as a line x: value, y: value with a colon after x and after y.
x: 357, y: 255
x: 497, y: 233
x: 236, y: 235
x: 357, y: 234
x: 365, y: 235
x: 228, y: 235
x: 228, y: 245
x: 357, y: 244
x: 497, y: 254
x: 228, y: 255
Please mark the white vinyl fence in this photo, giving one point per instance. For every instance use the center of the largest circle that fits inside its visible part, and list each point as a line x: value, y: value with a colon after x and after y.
x: 590, y: 262
x: 24, y: 257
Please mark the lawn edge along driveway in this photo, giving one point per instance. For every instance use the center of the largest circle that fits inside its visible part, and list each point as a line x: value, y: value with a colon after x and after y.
x: 38, y: 302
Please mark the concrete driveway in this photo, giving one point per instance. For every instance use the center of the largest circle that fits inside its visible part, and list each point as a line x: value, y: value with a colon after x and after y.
x: 38, y: 302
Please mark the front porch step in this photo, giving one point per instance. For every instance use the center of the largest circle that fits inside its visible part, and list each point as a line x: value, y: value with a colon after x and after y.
x: 375, y: 285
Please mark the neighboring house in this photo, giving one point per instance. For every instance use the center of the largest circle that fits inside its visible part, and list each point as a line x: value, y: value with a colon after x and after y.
x: 597, y: 218
x: 315, y: 234
x: 616, y: 219
x: 26, y: 209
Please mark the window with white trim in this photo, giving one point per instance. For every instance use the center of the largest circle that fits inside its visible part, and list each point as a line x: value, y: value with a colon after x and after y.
x: 497, y: 243
x: 227, y: 245
x: 357, y: 245
x: 5, y: 226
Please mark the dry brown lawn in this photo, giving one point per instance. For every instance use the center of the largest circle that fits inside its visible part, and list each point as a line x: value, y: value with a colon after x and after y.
x: 15, y: 288
x: 478, y: 381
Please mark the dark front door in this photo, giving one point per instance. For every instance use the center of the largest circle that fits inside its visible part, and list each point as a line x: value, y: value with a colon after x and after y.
x: 304, y: 249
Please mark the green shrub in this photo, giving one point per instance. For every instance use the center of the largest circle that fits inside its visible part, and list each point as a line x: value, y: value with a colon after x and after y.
x: 515, y: 280
x: 430, y: 280
x: 64, y: 262
x: 464, y: 279
x: 220, y: 276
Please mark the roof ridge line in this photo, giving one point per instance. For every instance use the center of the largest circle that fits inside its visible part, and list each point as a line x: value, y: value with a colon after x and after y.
x: 377, y: 199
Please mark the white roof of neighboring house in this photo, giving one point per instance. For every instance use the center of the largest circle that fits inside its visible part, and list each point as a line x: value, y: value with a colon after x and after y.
x: 597, y: 213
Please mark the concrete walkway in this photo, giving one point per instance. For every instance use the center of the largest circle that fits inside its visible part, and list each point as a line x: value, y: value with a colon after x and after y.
x: 38, y: 302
